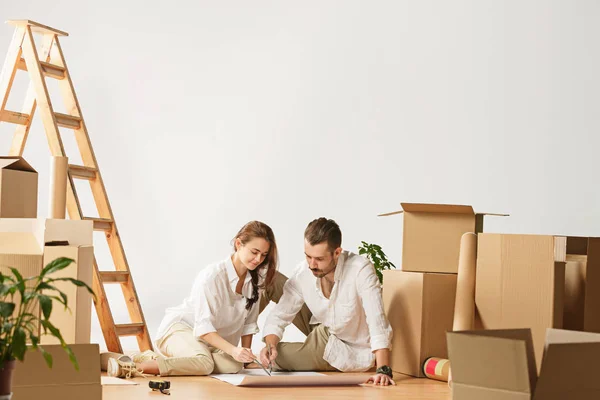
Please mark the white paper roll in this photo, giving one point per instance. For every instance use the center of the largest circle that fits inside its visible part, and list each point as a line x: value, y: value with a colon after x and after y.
x: 464, y: 308
x: 57, y: 199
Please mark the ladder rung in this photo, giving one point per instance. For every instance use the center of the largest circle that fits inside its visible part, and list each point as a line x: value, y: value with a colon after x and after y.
x: 50, y: 70
x: 133, y: 329
x: 101, y: 224
x: 14, y: 117
x: 81, y: 172
x: 68, y: 121
x: 114, y: 276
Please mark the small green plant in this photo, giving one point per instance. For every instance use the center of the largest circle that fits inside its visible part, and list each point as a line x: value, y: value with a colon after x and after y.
x: 17, y: 328
x: 374, y: 253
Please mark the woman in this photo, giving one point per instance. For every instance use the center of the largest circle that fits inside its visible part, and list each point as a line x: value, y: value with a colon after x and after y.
x: 201, y: 336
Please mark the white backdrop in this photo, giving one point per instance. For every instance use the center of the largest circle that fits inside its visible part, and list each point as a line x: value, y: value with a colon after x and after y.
x: 206, y: 114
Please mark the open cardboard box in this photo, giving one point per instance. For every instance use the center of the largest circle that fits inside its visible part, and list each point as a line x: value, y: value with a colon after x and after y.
x: 18, y: 188
x: 431, y: 235
x: 23, y: 245
x: 500, y: 365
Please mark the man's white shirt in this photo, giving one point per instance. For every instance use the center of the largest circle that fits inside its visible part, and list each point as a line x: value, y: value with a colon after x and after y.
x: 353, y: 313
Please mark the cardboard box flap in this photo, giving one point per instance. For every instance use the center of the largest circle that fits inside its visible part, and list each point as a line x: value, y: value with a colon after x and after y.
x: 19, y: 243
x: 15, y: 163
x: 496, y: 359
x: 438, y: 208
x: 568, y: 366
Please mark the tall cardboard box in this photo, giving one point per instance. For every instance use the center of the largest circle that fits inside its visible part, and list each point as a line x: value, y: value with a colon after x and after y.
x: 75, y: 324
x: 582, y: 284
x: 23, y: 246
x: 33, y: 379
x: 18, y: 188
x: 520, y: 284
x: 420, y: 308
x: 500, y: 365
x: 431, y: 235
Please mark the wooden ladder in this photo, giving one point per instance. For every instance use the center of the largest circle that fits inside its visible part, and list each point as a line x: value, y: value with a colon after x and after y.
x: 49, y: 62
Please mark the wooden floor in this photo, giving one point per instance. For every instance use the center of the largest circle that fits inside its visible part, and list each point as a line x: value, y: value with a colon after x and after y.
x: 210, y: 388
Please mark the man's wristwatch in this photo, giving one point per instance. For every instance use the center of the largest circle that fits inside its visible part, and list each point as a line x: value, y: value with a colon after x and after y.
x: 384, y: 369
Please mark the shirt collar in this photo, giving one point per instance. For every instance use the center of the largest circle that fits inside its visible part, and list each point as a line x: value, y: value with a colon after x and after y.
x: 338, y: 274
x: 234, y: 278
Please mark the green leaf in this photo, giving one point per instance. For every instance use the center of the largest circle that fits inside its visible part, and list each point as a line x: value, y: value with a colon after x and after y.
x: 20, y: 283
x: 47, y: 356
x: 46, y: 304
x: 18, y: 344
x: 72, y: 357
x: 6, y: 309
x: 56, y: 265
x: 76, y: 283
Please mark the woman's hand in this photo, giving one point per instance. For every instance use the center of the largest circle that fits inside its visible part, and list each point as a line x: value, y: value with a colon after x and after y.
x: 242, y: 354
x: 381, y: 379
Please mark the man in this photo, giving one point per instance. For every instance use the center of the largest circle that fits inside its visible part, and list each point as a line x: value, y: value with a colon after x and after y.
x: 334, y: 297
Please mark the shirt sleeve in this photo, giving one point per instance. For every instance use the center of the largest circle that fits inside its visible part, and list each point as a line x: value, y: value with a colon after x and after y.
x: 369, y: 290
x: 205, y: 306
x: 285, y: 311
x: 250, y: 325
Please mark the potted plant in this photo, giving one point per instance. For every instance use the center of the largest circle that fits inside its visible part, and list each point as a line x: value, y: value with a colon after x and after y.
x: 374, y: 253
x: 19, y: 321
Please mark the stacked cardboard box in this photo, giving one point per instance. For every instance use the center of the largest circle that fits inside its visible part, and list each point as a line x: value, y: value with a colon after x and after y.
x: 23, y: 245
x: 18, y: 188
x: 419, y: 299
x: 28, y: 244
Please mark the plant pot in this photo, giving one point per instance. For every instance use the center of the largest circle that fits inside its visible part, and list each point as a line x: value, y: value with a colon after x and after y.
x: 6, y: 379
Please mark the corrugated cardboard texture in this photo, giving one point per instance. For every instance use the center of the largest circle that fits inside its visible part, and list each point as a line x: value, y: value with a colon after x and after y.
x: 28, y: 265
x: 498, y: 362
x: 519, y: 285
x: 18, y: 194
x: 420, y: 308
x: 34, y: 380
x: 431, y: 241
x: 74, y: 325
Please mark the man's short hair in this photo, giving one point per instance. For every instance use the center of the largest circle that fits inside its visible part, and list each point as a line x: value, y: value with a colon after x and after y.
x: 324, y: 230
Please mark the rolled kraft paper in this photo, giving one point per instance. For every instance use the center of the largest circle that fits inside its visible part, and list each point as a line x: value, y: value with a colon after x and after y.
x: 464, y: 308
x: 58, y: 187
x: 436, y: 368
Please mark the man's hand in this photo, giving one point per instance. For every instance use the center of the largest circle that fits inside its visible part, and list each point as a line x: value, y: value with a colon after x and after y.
x: 381, y: 379
x: 243, y: 355
x: 264, y: 355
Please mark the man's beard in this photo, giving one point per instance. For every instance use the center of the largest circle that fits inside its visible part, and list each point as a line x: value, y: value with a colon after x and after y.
x: 320, y: 273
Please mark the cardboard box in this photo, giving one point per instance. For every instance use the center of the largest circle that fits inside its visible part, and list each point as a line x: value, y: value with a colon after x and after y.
x: 520, y: 284
x: 500, y: 365
x: 22, y: 246
x: 420, y: 308
x: 33, y: 379
x: 75, y: 324
x: 431, y: 235
x: 582, y: 284
x: 18, y: 188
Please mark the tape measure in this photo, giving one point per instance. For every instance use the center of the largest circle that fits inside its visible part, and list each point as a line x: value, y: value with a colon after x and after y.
x: 163, y: 386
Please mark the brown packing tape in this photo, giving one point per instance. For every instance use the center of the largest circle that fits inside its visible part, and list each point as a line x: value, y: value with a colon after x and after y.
x: 464, y: 308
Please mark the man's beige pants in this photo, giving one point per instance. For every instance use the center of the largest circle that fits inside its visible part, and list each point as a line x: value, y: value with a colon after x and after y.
x: 185, y: 355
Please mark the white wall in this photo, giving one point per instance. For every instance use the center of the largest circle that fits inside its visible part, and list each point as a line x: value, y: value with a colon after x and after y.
x: 206, y: 114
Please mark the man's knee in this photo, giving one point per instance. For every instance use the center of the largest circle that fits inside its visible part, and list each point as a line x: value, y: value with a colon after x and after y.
x: 203, y: 363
